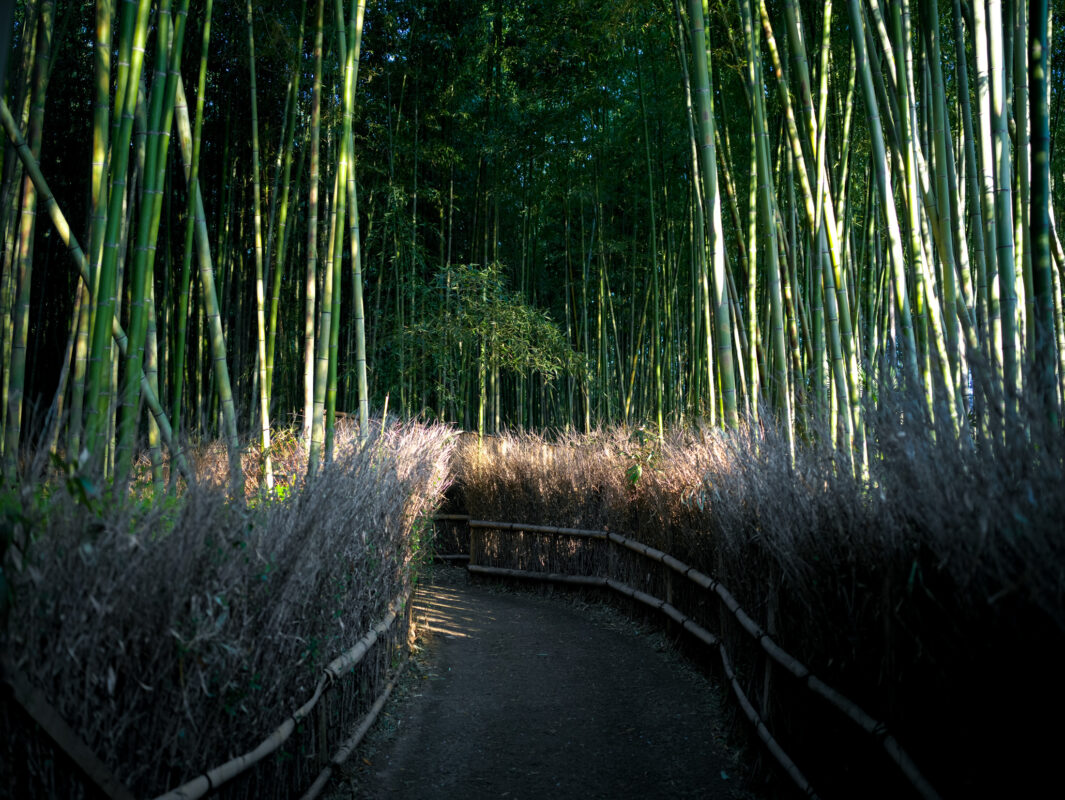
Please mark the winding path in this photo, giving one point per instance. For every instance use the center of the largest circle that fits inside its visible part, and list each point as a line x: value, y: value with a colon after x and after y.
x: 518, y: 695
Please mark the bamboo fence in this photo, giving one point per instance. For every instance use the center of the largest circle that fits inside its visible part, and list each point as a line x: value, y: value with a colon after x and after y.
x: 342, y: 664
x: 90, y: 768
x: 792, y: 665
x: 349, y: 745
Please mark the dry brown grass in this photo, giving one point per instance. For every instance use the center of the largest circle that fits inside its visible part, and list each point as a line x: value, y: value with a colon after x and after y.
x: 932, y: 591
x: 174, y: 635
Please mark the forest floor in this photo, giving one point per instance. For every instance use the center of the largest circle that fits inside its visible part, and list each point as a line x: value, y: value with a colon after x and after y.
x: 522, y: 695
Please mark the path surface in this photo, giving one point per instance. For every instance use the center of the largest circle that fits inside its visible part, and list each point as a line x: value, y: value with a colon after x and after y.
x: 519, y: 695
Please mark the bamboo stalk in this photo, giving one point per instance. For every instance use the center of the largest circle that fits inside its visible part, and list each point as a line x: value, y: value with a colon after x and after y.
x: 65, y: 233
x: 260, y: 278
x: 518, y: 526
x: 209, y: 297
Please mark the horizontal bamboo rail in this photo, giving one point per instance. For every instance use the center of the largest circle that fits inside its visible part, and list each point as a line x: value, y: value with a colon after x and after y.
x: 847, y: 707
x: 349, y: 745
x: 34, y: 703
x: 215, y: 777
x: 517, y: 526
x: 689, y: 625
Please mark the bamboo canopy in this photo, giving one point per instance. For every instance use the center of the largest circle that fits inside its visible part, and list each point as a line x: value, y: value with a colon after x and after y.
x: 774, y: 212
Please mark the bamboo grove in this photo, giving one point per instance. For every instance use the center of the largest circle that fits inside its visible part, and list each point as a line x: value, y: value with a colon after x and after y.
x: 539, y: 214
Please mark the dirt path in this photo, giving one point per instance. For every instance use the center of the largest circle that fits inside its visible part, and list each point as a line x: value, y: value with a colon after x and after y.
x: 522, y: 696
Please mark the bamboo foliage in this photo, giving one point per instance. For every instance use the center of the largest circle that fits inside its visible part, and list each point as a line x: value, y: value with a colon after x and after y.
x: 831, y: 202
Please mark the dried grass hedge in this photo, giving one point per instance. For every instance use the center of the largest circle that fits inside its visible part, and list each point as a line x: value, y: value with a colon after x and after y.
x: 174, y: 635
x: 932, y: 591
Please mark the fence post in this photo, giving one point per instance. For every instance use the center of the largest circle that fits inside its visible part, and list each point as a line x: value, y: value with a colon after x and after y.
x: 475, y: 544
x: 322, y: 735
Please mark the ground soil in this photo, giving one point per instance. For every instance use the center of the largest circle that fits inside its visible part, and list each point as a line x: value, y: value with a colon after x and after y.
x: 521, y: 695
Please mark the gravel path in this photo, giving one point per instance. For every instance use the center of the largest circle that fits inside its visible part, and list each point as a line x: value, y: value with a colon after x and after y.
x: 518, y: 695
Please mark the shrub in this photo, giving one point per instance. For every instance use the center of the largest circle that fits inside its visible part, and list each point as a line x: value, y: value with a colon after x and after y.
x: 930, y: 590
x: 173, y: 635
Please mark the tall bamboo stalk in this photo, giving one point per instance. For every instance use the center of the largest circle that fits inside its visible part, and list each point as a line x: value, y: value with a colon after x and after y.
x: 312, y: 235
x: 16, y: 369
x: 708, y: 163
x: 209, y: 296
x: 358, y: 312
x: 260, y: 280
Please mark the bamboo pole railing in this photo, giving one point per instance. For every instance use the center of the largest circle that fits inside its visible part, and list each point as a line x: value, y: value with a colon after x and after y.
x: 213, y: 778
x: 349, y: 745
x: 88, y: 764
x: 794, y: 666
x: 689, y: 625
x: 451, y: 557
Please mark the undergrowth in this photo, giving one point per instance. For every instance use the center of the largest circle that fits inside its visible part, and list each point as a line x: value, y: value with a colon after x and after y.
x: 931, y: 589
x: 172, y: 634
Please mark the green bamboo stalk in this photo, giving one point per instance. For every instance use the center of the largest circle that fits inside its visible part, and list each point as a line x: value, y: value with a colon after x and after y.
x: 883, y: 180
x: 260, y: 281
x: 12, y: 204
x: 325, y: 364
x: 312, y: 236
x: 98, y: 211
x: 817, y: 208
x: 16, y: 368
x: 151, y: 372
x: 1043, y: 340
x: 702, y: 357
x: 358, y: 311
x: 753, y: 337
x: 767, y: 217
x: 1003, y: 213
x: 1021, y: 184
x: 708, y: 163
x: 193, y: 170
x: 210, y: 303
x: 77, y: 391
x: 653, y: 249
x: 986, y: 167
x: 348, y: 58
x: 275, y: 264
x: 164, y: 88
x: 100, y: 359
x: 929, y: 310
x: 81, y: 261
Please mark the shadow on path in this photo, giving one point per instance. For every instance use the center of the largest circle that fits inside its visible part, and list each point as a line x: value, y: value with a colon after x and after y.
x: 523, y: 696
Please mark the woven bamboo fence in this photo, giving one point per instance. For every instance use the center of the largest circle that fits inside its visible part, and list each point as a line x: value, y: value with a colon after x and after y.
x: 342, y: 666
x: 335, y: 697
x: 604, y: 559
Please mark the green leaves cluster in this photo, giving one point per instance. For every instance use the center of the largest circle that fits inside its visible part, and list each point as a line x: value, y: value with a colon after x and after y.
x: 469, y: 310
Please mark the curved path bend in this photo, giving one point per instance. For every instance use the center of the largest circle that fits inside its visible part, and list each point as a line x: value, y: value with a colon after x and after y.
x: 519, y: 695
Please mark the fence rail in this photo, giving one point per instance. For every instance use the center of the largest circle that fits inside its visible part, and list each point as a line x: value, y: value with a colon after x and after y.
x: 792, y: 665
x: 346, y: 661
